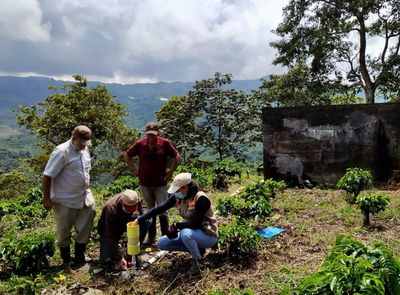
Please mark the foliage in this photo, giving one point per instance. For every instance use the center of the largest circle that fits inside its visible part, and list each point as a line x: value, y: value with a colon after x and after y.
x: 28, y: 253
x: 233, y: 291
x: 53, y: 120
x: 252, y: 202
x: 371, y: 203
x: 229, y: 167
x: 238, y: 237
x: 21, y: 285
x: 14, y: 184
x: 354, y: 268
x: 299, y: 87
x: 201, y: 176
x: 354, y: 181
x: 120, y: 184
x: 333, y: 36
x: 214, y: 118
x: 177, y: 123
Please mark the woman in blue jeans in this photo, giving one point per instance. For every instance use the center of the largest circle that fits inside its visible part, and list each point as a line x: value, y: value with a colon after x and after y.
x: 199, y: 230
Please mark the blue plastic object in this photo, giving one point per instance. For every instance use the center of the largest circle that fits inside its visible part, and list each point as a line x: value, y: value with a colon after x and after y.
x: 269, y: 232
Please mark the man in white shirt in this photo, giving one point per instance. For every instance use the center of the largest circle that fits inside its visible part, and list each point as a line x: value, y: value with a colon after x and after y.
x: 65, y: 186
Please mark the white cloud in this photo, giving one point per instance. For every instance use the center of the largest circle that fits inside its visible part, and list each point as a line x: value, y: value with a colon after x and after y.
x: 129, y: 41
x: 21, y: 20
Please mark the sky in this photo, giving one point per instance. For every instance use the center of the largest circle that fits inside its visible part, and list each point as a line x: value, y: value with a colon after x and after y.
x: 139, y: 41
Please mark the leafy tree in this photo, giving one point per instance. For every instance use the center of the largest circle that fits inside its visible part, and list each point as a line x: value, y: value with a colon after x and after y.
x: 53, y: 120
x: 177, y: 120
x: 217, y: 120
x: 300, y: 87
x: 334, y: 36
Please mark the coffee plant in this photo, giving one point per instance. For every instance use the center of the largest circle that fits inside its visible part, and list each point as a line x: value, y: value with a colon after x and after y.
x: 371, y: 203
x: 230, y: 168
x: 21, y: 285
x: 120, y: 184
x: 233, y: 291
x: 238, y: 237
x: 27, y: 254
x: 201, y: 176
x: 354, y: 268
x: 354, y: 181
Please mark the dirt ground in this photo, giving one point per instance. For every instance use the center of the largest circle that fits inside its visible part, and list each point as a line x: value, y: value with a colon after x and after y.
x: 311, y: 218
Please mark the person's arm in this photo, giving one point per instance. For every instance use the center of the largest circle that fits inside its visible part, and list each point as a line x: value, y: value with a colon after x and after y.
x: 132, y: 166
x: 164, y: 206
x: 195, y: 222
x: 46, y: 188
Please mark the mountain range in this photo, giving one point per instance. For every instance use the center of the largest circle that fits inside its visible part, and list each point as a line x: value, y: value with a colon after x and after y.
x: 142, y: 100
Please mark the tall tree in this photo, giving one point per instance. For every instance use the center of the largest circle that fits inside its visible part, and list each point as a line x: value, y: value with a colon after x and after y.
x: 177, y: 121
x: 52, y: 121
x: 337, y: 36
x: 299, y: 87
x: 215, y: 119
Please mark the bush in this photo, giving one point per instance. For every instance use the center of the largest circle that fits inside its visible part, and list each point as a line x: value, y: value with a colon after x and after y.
x: 354, y: 181
x: 230, y: 168
x: 25, y: 215
x: 27, y: 254
x: 201, y: 176
x: 353, y: 268
x: 120, y: 184
x: 13, y: 184
x: 233, y: 291
x: 371, y: 203
x: 21, y: 285
x: 238, y: 237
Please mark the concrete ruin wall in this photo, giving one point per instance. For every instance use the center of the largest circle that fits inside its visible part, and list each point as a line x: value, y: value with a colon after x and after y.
x: 320, y: 143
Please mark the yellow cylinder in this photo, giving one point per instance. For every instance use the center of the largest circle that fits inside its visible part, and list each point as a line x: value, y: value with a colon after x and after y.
x: 133, y: 241
x: 133, y: 249
x: 132, y: 230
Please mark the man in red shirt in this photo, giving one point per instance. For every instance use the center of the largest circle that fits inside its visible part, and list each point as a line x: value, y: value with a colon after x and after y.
x: 154, y: 153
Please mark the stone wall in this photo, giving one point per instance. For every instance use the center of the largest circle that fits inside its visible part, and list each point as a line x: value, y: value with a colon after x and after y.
x: 319, y: 143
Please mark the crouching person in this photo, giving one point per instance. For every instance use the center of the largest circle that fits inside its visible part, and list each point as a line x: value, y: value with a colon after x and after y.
x: 117, y: 212
x: 198, y: 231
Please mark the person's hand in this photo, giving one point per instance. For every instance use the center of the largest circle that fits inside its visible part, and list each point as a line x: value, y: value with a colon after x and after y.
x: 47, y: 203
x: 122, y: 265
x: 172, y: 232
x: 168, y: 176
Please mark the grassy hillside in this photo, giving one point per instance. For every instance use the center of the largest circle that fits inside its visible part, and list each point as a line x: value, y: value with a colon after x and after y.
x: 311, y: 218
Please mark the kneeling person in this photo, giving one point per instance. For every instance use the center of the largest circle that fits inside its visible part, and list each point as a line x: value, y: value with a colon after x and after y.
x: 117, y: 212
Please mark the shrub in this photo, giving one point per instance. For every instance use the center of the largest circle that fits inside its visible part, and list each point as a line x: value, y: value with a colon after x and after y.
x: 353, y: 268
x: 354, y: 181
x: 21, y: 285
x: 120, y: 184
x: 26, y: 215
x: 233, y: 291
x: 371, y: 203
x: 201, y: 176
x: 13, y: 184
x: 238, y: 237
x: 27, y: 254
x: 230, y: 168
x: 266, y: 189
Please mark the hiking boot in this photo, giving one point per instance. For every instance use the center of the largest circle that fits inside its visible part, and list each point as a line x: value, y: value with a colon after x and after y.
x: 198, y: 267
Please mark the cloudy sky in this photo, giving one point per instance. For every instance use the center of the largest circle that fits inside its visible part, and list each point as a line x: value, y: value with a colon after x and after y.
x: 133, y: 41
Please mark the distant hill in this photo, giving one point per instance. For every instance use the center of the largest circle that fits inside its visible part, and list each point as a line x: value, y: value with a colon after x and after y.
x: 142, y: 100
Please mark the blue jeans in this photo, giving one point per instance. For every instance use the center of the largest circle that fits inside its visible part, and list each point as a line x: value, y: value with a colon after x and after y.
x: 188, y: 240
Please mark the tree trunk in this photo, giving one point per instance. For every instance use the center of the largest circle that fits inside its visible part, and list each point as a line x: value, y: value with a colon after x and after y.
x: 370, y: 95
x: 366, y: 218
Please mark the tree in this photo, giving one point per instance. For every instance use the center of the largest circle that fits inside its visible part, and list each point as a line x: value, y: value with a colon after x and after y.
x: 53, y: 120
x: 214, y: 118
x: 336, y: 36
x: 177, y: 122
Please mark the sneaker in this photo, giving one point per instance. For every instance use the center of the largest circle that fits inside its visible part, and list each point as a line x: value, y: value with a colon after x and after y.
x: 202, y: 251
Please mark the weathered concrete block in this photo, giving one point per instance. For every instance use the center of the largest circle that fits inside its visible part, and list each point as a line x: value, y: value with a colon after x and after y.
x: 320, y: 143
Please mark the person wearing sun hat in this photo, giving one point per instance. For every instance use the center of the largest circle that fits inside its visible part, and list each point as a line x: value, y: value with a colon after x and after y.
x: 117, y: 212
x: 199, y: 231
x: 158, y: 159
x: 66, y: 190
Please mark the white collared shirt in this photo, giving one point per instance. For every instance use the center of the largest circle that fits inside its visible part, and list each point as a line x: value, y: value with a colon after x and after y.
x: 69, y: 170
